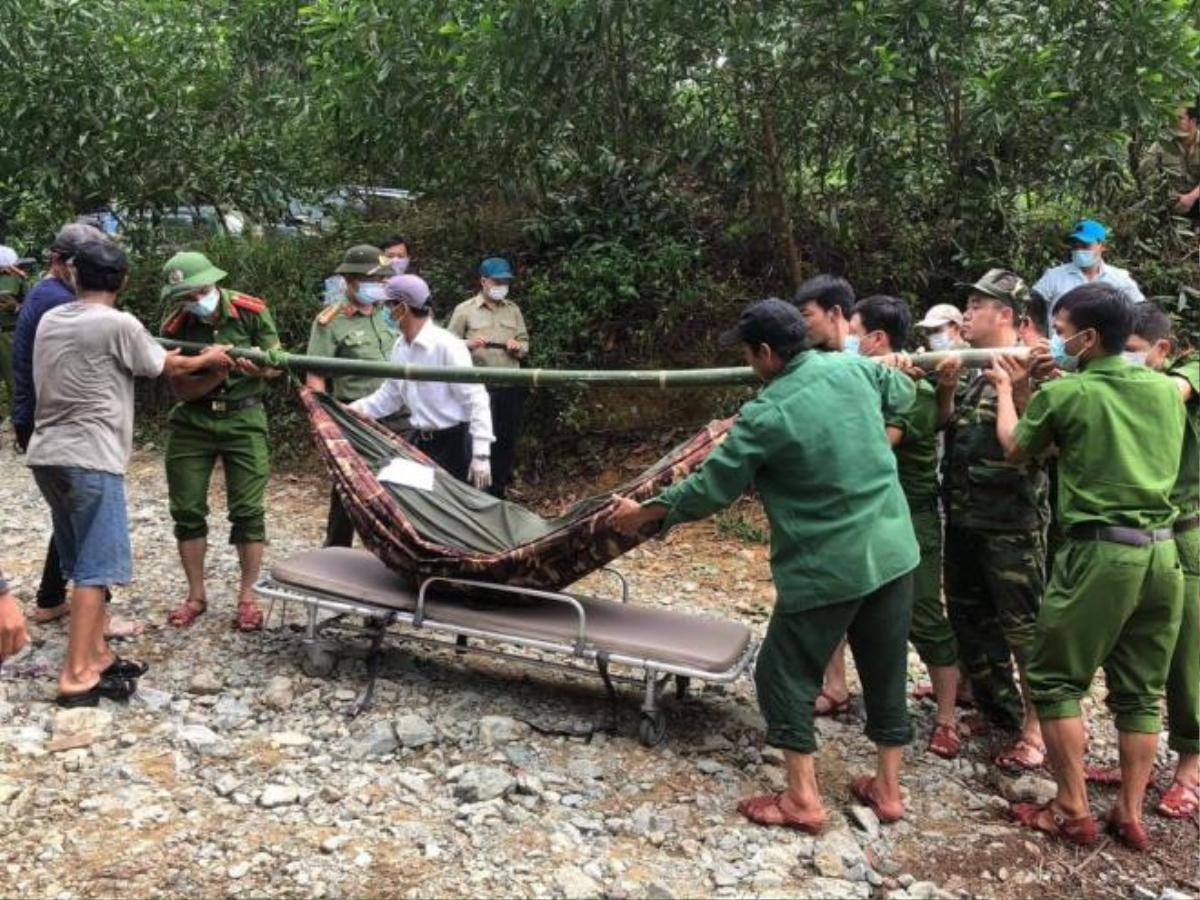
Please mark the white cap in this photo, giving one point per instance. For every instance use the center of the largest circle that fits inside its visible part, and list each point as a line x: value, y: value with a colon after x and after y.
x: 409, y: 289
x: 8, y: 256
x: 941, y: 314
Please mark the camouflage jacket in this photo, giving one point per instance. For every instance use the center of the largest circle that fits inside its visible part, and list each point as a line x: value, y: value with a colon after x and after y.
x: 980, y: 490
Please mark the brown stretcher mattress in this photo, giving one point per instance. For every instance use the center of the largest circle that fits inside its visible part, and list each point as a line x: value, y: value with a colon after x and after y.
x: 626, y: 629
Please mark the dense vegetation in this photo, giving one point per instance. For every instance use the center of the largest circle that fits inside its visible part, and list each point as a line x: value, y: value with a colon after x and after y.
x: 649, y: 164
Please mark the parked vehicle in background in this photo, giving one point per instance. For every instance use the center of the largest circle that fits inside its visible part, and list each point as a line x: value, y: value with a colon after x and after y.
x: 322, y: 215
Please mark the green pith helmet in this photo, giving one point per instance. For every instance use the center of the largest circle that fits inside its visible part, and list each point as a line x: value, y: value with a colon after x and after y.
x: 1003, y: 285
x: 363, y: 259
x: 184, y: 272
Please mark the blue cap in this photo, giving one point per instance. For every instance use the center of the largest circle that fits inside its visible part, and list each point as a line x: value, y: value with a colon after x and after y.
x: 1088, y: 231
x: 496, y: 267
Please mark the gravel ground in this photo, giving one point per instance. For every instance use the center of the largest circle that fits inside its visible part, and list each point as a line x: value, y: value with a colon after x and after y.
x: 232, y: 773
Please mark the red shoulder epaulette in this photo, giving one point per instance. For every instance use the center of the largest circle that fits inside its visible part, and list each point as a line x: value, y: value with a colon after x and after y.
x: 174, y: 323
x: 328, y: 314
x: 253, y: 304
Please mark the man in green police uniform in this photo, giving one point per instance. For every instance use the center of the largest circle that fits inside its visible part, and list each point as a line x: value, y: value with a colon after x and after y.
x: 1151, y: 344
x: 356, y: 328
x: 879, y: 326
x: 12, y: 288
x: 1115, y: 596
x: 996, y: 518
x: 842, y: 546
x: 217, y: 417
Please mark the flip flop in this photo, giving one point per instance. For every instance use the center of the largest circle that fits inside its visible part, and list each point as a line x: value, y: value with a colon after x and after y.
x: 185, y: 616
x: 108, y: 687
x: 944, y: 741
x: 863, y: 789
x: 249, y: 617
x: 1132, y: 834
x: 1047, y: 819
x: 758, y: 810
x: 1017, y: 757
x: 1180, y: 801
x: 128, y: 669
x: 835, y: 708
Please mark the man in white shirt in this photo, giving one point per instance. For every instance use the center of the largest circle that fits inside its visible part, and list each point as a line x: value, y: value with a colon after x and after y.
x: 453, y: 422
x: 1087, y: 240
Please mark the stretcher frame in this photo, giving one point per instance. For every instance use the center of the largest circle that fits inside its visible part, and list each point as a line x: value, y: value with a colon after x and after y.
x: 319, y: 660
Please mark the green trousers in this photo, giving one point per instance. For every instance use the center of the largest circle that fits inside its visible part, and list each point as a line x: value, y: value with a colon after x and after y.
x: 196, y: 439
x: 797, y: 646
x: 1114, y: 606
x: 931, y: 633
x: 1183, y: 679
x: 994, y: 582
x: 6, y: 376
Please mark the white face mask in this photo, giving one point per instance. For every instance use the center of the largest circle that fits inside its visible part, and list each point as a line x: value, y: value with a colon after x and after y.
x: 1135, y: 357
x: 496, y: 292
x: 941, y: 341
x: 204, y: 306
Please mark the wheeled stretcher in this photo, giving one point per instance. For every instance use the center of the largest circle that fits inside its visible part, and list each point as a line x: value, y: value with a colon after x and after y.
x: 650, y: 645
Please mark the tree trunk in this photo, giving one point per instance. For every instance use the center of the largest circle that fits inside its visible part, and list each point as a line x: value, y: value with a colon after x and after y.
x: 777, y: 199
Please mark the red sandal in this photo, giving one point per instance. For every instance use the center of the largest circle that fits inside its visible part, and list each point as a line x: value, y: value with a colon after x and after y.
x: 863, y: 789
x: 835, y: 707
x: 1180, y: 801
x: 944, y: 741
x: 767, y: 810
x: 249, y: 617
x: 1047, y: 819
x: 1132, y: 834
x: 1020, y: 757
x: 185, y: 616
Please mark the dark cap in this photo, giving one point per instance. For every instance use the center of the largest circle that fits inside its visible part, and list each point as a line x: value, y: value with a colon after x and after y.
x: 773, y: 322
x: 1000, y: 284
x: 101, y: 256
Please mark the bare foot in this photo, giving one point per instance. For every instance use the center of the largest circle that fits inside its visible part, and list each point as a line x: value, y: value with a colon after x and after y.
x: 118, y: 627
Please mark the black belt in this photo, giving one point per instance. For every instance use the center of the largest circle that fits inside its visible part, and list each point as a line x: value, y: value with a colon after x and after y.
x: 222, y: 407
x: 426, y: 434
x: 1120, y: 534
x: 1190, y: 524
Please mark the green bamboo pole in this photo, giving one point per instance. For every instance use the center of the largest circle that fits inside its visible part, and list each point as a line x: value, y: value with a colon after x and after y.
x: 661, y: 378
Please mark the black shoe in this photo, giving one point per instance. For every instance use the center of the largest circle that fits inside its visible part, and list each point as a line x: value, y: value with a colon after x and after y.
x: 130, y: 669
x: 111, y: 688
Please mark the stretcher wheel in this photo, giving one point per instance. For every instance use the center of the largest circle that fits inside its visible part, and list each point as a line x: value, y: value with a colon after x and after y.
x: 682, y: 683
x: 652, y: 727
x: 317, y: 661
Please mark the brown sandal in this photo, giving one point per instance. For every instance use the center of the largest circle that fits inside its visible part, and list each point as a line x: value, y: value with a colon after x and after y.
x: 835, y: 707
x: 1047, y: 819
x: 863, y: 789
x: 249, y: 617
x: 1020, y: 756
x: 1132, y: 834
x: 767, y: 810
x: 185, y: 615
x: 1180, y: 801
x: 944, y: 741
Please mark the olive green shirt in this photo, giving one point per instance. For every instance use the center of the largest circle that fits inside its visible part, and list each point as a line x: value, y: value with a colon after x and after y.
x: 1178, y: 163
x: 980, y: 490
x: 916, y: 454
x: 495, y: 322
x: 11, y: 288
x: 235, y: 326
x: 352, y: 333
x: 1119, y: 432
x: 813, y: 445
x: 1186, y: 494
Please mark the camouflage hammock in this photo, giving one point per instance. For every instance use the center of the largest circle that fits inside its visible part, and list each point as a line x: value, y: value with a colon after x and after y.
x: 457, y: 531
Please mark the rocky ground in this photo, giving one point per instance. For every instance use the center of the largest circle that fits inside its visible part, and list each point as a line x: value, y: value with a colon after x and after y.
x: 232, y: 773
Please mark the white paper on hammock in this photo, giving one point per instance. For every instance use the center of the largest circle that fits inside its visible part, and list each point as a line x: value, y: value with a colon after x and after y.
x: 407, y: 473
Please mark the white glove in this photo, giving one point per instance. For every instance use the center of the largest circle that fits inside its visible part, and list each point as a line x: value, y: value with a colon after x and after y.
x: 481, y: 473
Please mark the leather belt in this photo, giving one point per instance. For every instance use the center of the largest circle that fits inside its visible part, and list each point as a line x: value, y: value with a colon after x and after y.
x: 1120, y: 534
x: 426, y: 434
x: 1185, y: 525
x: 222, y: 407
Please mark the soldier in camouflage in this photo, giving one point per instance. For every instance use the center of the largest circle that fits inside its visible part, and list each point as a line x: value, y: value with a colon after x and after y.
x: 996, y: 519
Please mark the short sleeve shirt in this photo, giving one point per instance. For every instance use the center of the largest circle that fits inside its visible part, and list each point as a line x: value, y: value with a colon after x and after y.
x: 85, y: 358
x: 237, y: 327
x: 916, y: 454
x: 813, y: 445
x: 1186, y: 494
x: 349, y: 334
x: 1057, y: 281
x: 1119, y: 432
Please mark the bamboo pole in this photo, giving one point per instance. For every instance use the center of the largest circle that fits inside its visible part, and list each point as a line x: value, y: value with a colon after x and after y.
x: 660, y: 378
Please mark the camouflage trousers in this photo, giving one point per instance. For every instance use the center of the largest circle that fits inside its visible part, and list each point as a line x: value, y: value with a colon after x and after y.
x: 994, y: 582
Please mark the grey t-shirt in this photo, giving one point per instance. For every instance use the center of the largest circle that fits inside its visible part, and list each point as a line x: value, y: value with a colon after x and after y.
x: 85, y: 357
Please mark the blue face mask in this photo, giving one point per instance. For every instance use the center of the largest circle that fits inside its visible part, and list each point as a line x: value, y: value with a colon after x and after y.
x: 1135, y: 357
x: 1066, y: 361
x: 205, y: 306
x: 370, y: 293
x: 1085, y: 259
x: 851, y: 344
x: 399, y: 264
x: 389, y: 318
